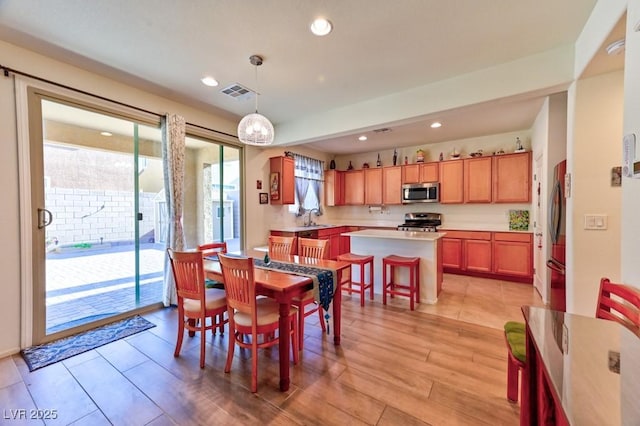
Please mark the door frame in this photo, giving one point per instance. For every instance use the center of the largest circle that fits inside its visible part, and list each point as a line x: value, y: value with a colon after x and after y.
x: 29, y: 93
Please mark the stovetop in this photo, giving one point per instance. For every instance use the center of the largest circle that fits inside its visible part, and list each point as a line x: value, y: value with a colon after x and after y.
x: 421, y: 221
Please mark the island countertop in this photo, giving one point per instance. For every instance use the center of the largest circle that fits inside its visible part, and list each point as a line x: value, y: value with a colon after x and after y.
x: 396, y: 235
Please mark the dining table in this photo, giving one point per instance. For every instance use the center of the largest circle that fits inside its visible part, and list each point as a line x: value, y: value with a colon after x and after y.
x: 283, y: 286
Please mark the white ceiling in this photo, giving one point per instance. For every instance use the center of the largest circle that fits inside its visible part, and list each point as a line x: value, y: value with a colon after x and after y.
x: 378, y: 48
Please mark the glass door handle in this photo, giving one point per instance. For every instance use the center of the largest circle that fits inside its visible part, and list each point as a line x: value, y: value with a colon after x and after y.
x: 44, y: 218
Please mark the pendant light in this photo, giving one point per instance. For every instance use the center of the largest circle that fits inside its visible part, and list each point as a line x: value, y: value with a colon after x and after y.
x: 255, y: 129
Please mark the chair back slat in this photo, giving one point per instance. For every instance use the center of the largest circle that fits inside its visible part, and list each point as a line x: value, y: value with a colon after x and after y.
x: 281, y: 245
x: 188, y: 272
x: 239, y: 283
x: 309, y: 247
x: 620, y: 303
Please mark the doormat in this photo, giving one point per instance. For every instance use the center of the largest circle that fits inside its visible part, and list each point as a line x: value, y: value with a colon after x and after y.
x: 49, y: 353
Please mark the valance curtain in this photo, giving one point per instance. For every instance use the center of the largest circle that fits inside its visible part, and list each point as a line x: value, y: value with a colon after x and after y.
x: 173, y: 151
x: 307, y: 171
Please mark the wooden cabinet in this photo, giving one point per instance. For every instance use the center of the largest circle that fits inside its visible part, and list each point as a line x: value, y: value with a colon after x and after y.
x: 477, y: 180
x: 333, y: 188
x: 391, y: 186
x: 411, y: 173
x: 512, y: 178
x: 283, y: 183
x: 419, y: 173
x: 354, y: 187
x: 336, y: 245
x: 451, y: 182
x: 373, y: 186
x: 429, y: 172
x: 477, y: 254
x: 513, y: 254
x: 451, y: 253
x: 505, y: 255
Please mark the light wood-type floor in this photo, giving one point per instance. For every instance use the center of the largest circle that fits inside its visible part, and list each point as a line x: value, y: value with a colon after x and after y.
x: 438, y: 365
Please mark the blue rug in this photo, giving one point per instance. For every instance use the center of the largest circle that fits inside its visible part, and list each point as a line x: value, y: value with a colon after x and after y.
x: 49, y: 353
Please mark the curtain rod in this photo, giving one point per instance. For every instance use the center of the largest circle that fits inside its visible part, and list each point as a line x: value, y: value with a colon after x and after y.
x: 7, y: 70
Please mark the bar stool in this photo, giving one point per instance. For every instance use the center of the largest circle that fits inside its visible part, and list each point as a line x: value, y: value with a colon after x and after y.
x: 362, y: 261
x: 410, y: 289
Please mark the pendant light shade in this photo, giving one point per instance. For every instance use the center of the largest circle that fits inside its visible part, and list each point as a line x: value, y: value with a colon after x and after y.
x: 255, y: 129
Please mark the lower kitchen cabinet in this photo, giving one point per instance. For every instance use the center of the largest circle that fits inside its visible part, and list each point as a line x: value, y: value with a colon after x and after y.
x: 504, y: 255
x: 477, y: 255
x: 336, y: 245
x: 513, y: 254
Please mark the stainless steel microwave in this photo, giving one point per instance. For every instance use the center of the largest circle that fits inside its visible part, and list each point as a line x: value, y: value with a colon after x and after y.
x: 421, y: 193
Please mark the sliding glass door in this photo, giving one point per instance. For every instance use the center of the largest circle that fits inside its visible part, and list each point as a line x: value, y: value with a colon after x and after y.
x: 101, y: 216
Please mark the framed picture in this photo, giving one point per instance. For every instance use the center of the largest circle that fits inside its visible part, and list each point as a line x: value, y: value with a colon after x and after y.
x: 616, y: 176
x: 264, y: 198
x: 274, y: 186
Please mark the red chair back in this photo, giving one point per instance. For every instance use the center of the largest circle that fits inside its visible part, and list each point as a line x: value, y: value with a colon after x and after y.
x: 239, y: 284
x: 620, y: 303
x: 210, y: 249
x: 188, y: 272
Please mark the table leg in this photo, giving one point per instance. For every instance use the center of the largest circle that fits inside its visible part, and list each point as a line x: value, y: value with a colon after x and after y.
x: 284, y: 345
x: 337, y: 310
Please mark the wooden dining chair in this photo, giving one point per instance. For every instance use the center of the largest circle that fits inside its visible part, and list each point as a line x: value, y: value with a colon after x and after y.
x: 211, y: 250
x: 247, y: 317
x: 620, y: 303
x: 281, y: 245
x: 317, y: 249
x: 195, y: 303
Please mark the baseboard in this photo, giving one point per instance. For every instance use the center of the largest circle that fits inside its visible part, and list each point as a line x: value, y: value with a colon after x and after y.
x: 9, y: 352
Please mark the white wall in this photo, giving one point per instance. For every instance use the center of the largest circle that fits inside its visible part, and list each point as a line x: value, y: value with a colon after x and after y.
x: 596, y: 150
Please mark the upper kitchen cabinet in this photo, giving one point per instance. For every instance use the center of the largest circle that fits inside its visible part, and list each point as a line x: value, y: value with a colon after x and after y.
x: 391, y: 187
x: 373, y: 186
x: 512, y: 178
x: 477, y: 180
x: 429, y: 172
x: 451, y: 181
x: 334, y: 188
x: 354, y: 187
x: 282, y: 180
x: 419, y: 173
x: 411, y: 173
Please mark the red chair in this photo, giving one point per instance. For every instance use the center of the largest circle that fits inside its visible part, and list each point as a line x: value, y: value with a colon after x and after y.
x: 248, y: 317
x: 392, y: 288
x: 195, y: 303
x: 281, y: 246
x: 514, y: 337
x: 212, y: 249
x: 317, y: 249
x: 623, y: 307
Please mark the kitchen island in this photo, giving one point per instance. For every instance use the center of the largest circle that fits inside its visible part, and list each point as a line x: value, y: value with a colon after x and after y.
x: 384, y: 242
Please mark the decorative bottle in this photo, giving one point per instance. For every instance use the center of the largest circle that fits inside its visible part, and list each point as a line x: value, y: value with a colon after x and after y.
x: 378, y: 163
x: 332, y: 164
x: 350, y: 166
x: 395, y: 157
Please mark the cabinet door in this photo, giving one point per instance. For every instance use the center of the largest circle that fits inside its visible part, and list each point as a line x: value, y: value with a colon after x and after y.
x: 354, y: 187
x: 411, y: 173
x: 512, y: 178
x: 477, y: 255
x: 334, y: 245
x: 513, y: 258
x: 451, y: 253
x: 477, y: 180
x: 429, y: 172
x: 283, y: 183
x: 451, y: 182
x: 373, y: 186
x: 391, y: 186
x: 333, y: 188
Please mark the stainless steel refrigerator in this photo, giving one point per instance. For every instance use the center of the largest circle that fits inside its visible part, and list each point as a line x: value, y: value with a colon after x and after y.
x: 557, y: 231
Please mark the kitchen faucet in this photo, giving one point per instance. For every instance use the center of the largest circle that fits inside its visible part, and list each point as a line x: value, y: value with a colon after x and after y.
x: 308, y: 223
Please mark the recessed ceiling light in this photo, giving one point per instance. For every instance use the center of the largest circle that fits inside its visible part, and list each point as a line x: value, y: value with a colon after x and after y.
x: 436, y: 124
x: 362, y: 138
x: 209, y: 81
x: 106, y: 133
x: 321, y: 27
x: 615, y: 48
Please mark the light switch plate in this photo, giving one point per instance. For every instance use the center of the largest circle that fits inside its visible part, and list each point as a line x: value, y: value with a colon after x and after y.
x: 567, y: 185
x: 595, y: 222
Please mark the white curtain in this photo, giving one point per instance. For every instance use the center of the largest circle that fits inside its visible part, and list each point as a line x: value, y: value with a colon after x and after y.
x: 173, y: 149
x: 307, y: 171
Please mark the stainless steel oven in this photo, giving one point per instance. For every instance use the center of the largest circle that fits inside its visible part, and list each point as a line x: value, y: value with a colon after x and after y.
x: 421, y: 193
